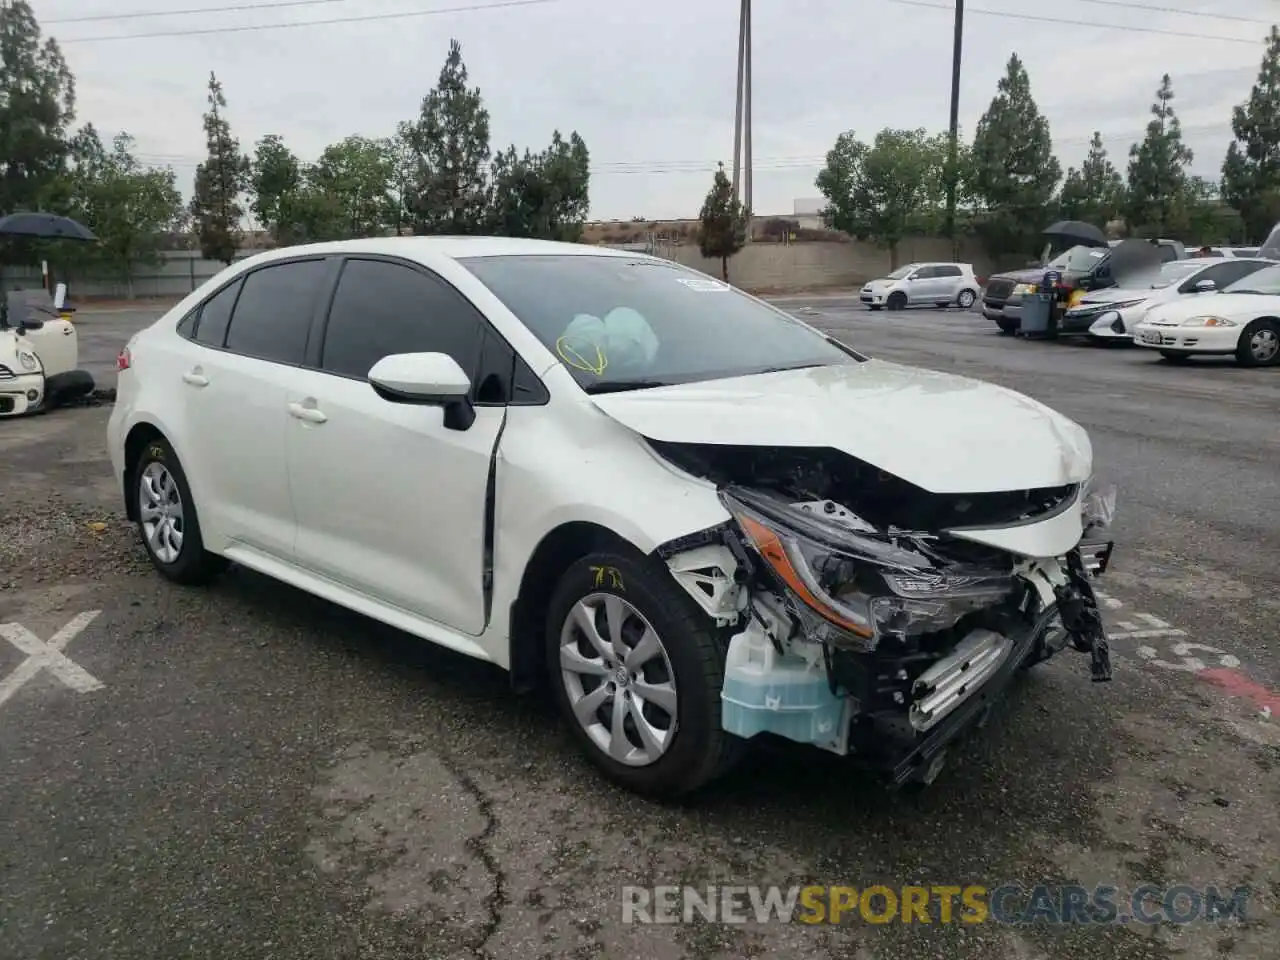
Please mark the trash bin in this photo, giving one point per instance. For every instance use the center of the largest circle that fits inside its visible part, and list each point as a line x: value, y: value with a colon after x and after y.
x: 1037, y: 312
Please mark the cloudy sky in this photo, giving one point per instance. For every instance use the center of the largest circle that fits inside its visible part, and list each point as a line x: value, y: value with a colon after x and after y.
x: 650, y: 85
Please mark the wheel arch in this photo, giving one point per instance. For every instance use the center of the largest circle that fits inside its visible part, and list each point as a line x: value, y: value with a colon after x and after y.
x: 554, y: 553
x: 139, y: 435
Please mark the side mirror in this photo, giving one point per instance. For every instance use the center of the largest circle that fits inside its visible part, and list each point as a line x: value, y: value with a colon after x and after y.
x: 30, y: 323
x: 1206, y: 286
x: 428, y: 379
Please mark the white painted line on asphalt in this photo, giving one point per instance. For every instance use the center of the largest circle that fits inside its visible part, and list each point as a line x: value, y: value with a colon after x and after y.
x: 1186, y: 662
x: 1136, y: 634
x: 43, y: 655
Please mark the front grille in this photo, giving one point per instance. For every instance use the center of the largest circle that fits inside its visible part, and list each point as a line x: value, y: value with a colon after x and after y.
x: 6, y: 373
x: 999, y: 290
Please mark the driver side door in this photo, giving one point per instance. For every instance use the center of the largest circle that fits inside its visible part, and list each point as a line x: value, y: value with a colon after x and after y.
x: 389, y: 500
x: 920, y: 284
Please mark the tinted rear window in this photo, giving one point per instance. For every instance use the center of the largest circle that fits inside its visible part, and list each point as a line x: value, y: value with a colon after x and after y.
x: 273, y: 315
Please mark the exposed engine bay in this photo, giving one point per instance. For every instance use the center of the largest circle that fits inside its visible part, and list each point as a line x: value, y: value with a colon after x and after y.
x: 858, y: 621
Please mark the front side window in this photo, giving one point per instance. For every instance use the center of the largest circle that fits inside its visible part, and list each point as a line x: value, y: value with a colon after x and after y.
x: 616, y: 323
x: 273, y: 314
x: 902, y: 272
x: 382, y: 308
x: 1266, y: 281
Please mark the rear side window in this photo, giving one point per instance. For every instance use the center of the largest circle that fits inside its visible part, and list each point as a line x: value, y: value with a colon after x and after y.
x: 383, y: 308
x: 947, y: 271
x: 211, y: 324
x: 273, y: 315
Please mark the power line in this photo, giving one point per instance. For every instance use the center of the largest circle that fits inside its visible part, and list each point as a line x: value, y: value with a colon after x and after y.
x: 191, y: 11
x: 291, y: 4
x: 367, y: 18
x: 501, y: 4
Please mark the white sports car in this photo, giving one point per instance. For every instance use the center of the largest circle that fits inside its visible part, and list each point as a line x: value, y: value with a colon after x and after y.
x: 1113, y: 313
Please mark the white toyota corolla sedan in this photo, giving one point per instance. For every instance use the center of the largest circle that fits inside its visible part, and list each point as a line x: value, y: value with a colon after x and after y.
x: 696, y: 517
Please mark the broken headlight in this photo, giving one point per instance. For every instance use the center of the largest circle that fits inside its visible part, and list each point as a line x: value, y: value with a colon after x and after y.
x: 854, y: 590
x: 1097, y: 504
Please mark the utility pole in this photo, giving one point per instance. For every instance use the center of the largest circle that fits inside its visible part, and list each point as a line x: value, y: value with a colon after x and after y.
x: 737, y: 118
x: 747, y: 203
x: 957, y: 52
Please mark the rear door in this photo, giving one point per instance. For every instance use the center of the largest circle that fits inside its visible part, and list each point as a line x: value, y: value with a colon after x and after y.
x: 950, y: 278
x: 250, y: 337
x: 389, y: 500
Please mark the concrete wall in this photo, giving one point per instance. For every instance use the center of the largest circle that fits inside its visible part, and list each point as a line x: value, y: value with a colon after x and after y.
x: 781, y: 267
x: 760, y: 266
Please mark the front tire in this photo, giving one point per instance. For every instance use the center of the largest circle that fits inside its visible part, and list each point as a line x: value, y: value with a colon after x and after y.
x: 897, y: 301
x: 1008, y: 327
x: 167, y: 519
x: 1170, y: 356
x: 1259, y: 344
x: 637, y: 670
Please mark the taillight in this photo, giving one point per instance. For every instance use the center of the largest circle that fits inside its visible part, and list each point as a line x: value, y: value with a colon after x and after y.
x: 123, y: 359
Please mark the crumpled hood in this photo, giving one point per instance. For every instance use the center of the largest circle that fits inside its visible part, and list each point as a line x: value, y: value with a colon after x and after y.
x: 941, y: 432
x: 1029, y: 275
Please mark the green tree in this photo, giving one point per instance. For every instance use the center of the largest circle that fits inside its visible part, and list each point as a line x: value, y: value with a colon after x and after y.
x: 1251, y: 170
x: 37, y: 104
x: 216, y: 208
x: 1013, y: 173
x: 1159, y: 186
x: 131, y: 208
x: 541, y: 195
x: 355, y: 175
x: 887, y: 191
x: 451, y: 141
x: 723, y: 223
x: 275, y: 177
x: 404, y: 176
x: 1095, y: 192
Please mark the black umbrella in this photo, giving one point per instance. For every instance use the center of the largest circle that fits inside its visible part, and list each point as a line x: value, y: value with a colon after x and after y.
x: 45, y: 226
x: 1074, y: 232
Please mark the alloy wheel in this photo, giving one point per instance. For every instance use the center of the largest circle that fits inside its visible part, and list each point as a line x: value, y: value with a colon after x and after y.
x: 160, y: 510
x: 618, y: 679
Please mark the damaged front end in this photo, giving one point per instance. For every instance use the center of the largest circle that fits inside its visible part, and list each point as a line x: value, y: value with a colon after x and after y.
x: 863, y: 635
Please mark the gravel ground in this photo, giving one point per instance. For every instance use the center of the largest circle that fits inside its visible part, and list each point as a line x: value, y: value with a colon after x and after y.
x: 263, y: 775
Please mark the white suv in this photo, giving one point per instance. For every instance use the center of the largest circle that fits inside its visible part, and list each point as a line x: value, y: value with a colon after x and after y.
x: 936, y: 284
x: 696, y: 517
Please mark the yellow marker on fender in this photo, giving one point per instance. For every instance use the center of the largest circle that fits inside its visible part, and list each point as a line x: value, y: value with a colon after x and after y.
x: 576, y: 360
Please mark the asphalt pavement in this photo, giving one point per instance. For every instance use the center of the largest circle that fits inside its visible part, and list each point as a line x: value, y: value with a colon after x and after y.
x: 246, y: 771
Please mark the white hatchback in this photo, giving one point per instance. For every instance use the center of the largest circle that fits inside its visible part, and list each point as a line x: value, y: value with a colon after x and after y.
x: 695, y: 517
x: 919, y: 284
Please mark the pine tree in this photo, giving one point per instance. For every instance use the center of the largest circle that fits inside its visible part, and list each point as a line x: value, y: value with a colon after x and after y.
x: 451, y: 140
x: 1251, y: 170
x: 1095, y: 192
x: 216, y: 207
x: 724, y: 223
x: 1013, y: 172
x: 1159, y: 186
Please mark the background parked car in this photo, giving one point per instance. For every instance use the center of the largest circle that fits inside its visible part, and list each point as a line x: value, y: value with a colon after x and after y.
x: 1113, y: 313
x: 916, y: 284
x: 1241, y: 321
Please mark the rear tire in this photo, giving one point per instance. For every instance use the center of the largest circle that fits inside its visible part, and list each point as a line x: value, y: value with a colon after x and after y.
x: 675, y: 693
x: 897, y: 301
x: 966, y: 299
x: 167, y: 518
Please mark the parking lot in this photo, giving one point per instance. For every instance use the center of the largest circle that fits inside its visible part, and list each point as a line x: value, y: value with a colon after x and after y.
x: 247, y: 771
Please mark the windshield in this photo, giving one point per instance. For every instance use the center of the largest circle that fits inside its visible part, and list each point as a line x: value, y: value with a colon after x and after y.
x: 618, y: 323
x: 901, y: 272
x: 1176, y: 271
x: 1079, y: 259
x: 1266, y: 280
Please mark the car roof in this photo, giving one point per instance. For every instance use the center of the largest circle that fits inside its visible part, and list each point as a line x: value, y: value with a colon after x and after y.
x: 426, y: 249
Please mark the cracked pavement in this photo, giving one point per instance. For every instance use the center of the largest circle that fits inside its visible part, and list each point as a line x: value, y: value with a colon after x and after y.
x: 264, y: 775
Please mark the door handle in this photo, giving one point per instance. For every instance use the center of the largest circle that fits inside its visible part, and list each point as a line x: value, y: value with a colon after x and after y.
x: 195, y: 378
x: 309, y: 414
